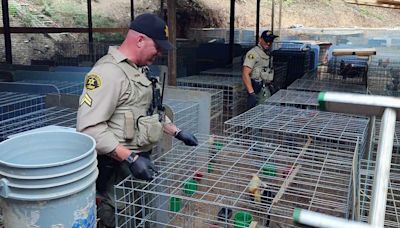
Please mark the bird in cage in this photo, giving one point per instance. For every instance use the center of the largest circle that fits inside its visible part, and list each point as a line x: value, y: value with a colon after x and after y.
x: 393, y: 85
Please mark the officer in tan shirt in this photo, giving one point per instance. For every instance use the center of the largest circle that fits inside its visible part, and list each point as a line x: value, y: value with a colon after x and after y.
x: 257, y: 71
x: 120, y: 107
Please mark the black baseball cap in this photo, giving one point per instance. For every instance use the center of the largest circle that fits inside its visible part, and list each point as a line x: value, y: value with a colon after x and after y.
x: 154, y: 27
x: 268, y: 36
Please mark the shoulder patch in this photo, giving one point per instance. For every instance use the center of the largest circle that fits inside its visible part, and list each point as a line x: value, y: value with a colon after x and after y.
x: 92, y: 82
x: 250, y: 56
x: 86, y: 99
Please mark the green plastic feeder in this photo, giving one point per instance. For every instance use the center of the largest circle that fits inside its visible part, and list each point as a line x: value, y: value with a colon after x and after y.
x: 242, y: 219
x: 209, y: 168
x: 190, y: 187
x: 218, y: 145
x: 175, y: 204
x: 269, y: 170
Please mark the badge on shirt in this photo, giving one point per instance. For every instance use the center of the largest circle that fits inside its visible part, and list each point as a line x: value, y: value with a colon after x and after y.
x: 92, y: 82
x: 250, y: 56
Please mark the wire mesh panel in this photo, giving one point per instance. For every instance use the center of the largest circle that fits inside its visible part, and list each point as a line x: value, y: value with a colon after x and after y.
x: 51, y: 116
x: 226, y: 72
x: 367, y: 173
x: 384, y: 75
x: 16, y: 104
x: 65, y: 87
x: 228, y: 182
x: 186, y: 114
x: 217, y: 109
x: 317, y: 86
x: 269, y: 122
x: 234, y: 96
x: 293, y: 98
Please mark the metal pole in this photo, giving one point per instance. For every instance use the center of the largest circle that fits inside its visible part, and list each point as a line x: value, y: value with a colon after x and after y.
x: 316, y: 219
x: 359, y: 104
x: 90, y: 30
x: 258, y: 21
x: 272, y: 15
x: 132, y: 10
x: 382, y: 168
x: 7, y: 32
x: 231, y: 31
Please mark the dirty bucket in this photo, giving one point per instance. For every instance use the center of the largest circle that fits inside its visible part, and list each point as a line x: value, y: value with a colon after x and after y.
x: 47, y: 179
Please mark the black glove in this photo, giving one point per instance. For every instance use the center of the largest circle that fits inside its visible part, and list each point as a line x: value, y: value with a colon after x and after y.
x: 251, y: 100
x: 143, y: 168
x: 186, y: 137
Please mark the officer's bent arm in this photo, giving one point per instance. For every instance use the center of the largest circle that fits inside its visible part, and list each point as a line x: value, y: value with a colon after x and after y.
x: 246, y: 79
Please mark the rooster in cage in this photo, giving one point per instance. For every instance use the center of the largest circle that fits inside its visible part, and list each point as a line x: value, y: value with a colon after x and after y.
x: 352, y: 70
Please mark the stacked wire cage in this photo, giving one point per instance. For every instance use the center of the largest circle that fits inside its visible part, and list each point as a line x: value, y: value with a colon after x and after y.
x: 14, y: 104
x: 226, y: 72
x: 234, y: 95
x: 216, y: 109
x: 317, y: 86
x: 230, y: 182
x: 349, y: 69
x: 384, y: 75
x: 186, y: 114
x: 333, y: 131
x: 59, y: 116
x: 64, y: 87
x: 294, y: 98
x: 297, y: 58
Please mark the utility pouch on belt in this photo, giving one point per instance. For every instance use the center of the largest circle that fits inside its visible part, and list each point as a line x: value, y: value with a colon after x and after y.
x: 149, y: 130
x: 267, y: 75
x: 128, y: 126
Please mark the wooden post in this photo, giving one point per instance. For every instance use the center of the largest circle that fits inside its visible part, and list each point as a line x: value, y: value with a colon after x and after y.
x: 172, y: 39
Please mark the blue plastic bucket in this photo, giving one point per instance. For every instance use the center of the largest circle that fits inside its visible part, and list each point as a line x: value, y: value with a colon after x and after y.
x: 47, y: 179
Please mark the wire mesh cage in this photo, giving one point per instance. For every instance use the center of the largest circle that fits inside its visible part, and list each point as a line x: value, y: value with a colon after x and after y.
x: 346, y: 69
x: 294, y: 98
x: 226, y: 72
x: 186, y: 114
x: 65, y: 87
x: 228, y: 182
x: 16, y: 104
x: 289, y: 124
x: 216, y: 112
x: 392, y: 216
x: 384, y: 75
x: 59, y: 116
x: 317, y: 86
x: 234, y: 96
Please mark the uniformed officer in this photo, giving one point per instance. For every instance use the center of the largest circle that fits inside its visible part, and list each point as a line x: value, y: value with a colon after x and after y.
x: 120, y: 107
x: 257, y: 71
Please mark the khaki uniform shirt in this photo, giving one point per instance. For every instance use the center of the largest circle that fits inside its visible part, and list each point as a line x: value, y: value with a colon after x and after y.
x: 258, y: 61
x: 116, y: 95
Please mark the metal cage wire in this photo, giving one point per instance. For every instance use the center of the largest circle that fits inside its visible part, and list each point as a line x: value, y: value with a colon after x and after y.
x: 234, y: 95
x: 15, y: 104
x: 317, y: 86
x: 210, y: 185
x: 293, y: 98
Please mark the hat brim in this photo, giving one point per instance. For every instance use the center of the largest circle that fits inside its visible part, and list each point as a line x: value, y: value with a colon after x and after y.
x: 270, y: 38
x: 164, y: 44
